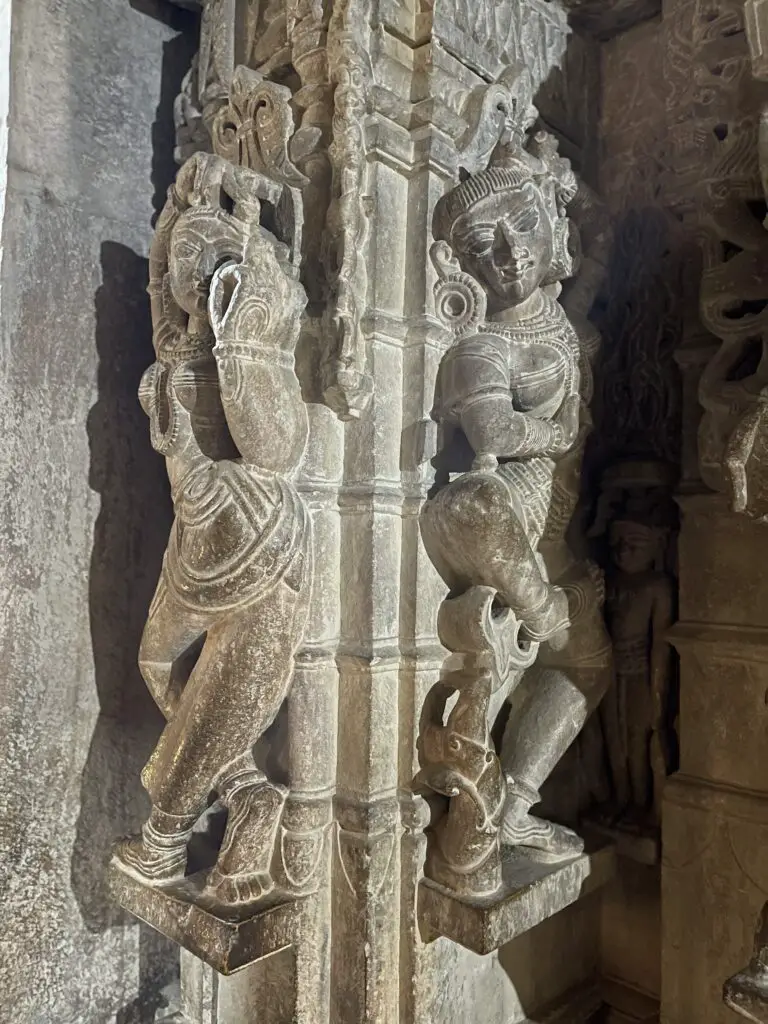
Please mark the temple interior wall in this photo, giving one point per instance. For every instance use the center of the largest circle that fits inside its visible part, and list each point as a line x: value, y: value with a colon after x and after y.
x: 86, y: 512
x: 85, y: 502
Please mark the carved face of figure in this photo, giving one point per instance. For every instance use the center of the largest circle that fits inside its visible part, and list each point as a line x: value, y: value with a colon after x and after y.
x: 198, y: 246
x: 507, y: 243
x: 633, y: 547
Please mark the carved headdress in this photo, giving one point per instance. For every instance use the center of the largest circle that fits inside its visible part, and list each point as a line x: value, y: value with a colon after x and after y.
x: 227, y: 204
x: 517, y: 160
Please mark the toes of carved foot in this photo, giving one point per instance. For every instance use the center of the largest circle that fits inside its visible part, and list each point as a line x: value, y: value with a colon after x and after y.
x: 237, y: 889
x: 542, y: 840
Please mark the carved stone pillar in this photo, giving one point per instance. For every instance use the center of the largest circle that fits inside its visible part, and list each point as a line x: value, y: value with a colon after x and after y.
x: 295, y: 263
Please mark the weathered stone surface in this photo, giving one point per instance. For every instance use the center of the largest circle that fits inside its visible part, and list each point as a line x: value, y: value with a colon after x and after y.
x: 530, y: 894
x: 84, y: 504
x: 374, y: 112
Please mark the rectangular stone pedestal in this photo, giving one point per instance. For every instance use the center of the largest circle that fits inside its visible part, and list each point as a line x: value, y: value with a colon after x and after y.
x: 226, y: 944
x: 530, y: 894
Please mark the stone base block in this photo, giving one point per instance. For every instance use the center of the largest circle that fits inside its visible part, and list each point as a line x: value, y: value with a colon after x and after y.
x: 228, y: 942
x: 530, y: 893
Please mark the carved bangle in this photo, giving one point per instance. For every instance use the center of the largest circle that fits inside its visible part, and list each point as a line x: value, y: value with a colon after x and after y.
x: 538, y: 438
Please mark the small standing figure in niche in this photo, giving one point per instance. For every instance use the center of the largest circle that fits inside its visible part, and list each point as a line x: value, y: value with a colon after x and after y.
x: 639, y: 612
x: 636, y: 516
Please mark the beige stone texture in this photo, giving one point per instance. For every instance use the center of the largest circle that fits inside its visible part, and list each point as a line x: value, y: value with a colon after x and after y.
x: 362, y: 256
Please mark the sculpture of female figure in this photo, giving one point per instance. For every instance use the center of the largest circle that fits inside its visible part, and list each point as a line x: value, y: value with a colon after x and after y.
x: 510, y: 390
x: 226, y: 411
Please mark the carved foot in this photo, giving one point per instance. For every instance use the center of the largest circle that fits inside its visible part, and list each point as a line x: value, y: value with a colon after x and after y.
x: 149, y: 865
x: 242, y: 872
x: 243, y: 888
x: 543, y: 840
x: 159, y: 854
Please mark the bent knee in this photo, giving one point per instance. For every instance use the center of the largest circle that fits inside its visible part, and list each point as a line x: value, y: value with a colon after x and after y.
x: 479, y: 501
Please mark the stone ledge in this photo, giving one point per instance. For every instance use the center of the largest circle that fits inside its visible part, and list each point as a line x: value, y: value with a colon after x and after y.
x: 736, y: 643
x: 641, y: 845
x: 227, y: 944
x: 578, y: 1006
x: 627, y: 1005
x: 531, y: 892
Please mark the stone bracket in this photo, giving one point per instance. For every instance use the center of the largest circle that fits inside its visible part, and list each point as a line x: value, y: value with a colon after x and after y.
x: 531, y: 892
x: 227, y: 944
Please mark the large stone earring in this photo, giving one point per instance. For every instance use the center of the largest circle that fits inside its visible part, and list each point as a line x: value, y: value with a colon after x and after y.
x: 565, y: 252
x: 460, y: 302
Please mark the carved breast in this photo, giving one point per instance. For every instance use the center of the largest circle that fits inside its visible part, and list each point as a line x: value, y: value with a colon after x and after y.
x: 539, y: 374
x: 542, y: 355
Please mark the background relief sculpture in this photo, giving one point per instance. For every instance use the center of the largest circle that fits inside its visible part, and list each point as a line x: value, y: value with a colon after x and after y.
x: 523, y: 616
x: 636, y: 520
x: 734, y: 385
x: 226, y: 412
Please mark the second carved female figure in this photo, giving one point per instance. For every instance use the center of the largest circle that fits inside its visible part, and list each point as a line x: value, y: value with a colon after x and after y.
x: 511, y: 408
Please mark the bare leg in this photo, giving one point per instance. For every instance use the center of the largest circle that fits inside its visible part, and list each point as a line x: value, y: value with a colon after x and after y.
x: 233, y: 695
x: 549, y: 716
x: 159, y: 855
x: 616, y: 741
x: 640, y: 767
x: 170, y: 630
x: 639, y: 732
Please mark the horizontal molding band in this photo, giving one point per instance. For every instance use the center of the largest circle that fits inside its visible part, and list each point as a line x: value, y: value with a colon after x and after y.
x: 707, y: 795
x: 728, y: 642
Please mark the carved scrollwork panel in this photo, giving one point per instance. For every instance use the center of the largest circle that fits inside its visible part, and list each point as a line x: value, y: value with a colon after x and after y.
x: 348, y: 386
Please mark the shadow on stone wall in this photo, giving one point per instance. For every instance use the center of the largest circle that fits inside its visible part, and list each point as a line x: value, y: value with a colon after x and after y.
x: 130, y: 535
x: 128, y: 544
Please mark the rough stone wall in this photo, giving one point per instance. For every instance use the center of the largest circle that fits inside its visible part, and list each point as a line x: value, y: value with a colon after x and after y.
x: 85, y: 508
x: 678, y: 96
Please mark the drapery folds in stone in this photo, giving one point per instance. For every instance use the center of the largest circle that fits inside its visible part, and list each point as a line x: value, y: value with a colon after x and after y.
x: 355, y: 118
